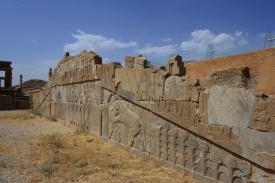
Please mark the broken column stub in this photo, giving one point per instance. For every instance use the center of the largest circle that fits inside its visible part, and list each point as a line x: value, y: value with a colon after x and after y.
x: 129, y: 62
x: 96, y: 59
x: 67, y: 54
x: 140, y: 62
x: 175, y: 66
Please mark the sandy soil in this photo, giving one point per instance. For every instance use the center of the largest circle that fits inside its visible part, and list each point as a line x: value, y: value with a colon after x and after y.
x: 41, y: 150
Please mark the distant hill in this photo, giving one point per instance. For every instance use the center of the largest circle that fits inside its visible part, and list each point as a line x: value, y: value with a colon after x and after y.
x: 33, y: 84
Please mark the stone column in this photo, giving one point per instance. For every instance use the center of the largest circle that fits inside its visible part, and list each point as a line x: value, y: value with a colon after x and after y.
x: 174, y: 138
x: 193, y: 146
x: 230, y: 164
x: 204, y: 149
x: 50, y: 72
x: 217, y: 161
x: 21, y: 81
x: 184, y: 137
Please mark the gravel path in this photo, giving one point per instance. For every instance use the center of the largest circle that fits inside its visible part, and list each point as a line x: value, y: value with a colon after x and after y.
x: 16, y: 138
x: 28, y: 154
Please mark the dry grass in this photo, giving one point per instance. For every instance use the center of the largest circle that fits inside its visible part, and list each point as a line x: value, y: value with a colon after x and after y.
x: 73, y: 156
x: 11, y: 115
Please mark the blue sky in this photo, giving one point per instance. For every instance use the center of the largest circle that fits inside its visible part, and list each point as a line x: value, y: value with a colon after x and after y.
x: 34, y: 34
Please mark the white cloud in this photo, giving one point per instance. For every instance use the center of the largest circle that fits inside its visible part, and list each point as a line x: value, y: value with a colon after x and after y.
x: 96, y: 43
x: 238, y: 33
x: 38, y: 70
x: 158, y: 50
x: 31, y: 40
x: 166, y: 39
x: 106, y: 60
x: 201, y: 38
x: 241, y: 40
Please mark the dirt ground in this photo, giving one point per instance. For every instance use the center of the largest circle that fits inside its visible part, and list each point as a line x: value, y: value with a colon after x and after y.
x: 40, y: 149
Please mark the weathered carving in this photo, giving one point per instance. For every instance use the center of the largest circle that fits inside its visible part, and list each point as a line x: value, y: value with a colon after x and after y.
x: 181, y: 88
x: 263, y: 117
x: 268, y: 160
x: 123, y: 120
x: 199, y: 126
x: 245, y: 167
x: 151, y: 84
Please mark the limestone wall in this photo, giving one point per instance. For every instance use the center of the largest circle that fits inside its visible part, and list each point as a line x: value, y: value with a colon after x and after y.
x: 215, y: 127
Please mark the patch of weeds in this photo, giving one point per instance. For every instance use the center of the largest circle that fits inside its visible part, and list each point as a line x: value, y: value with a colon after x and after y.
x: 98, y: 147
x: 55, y: 141
x: 3, y: 164
x: 83, y: 171
x: 47, y: 169
x: 24, y: 116
x: 77, y: 132
x: 111, y: 165
x: 56, y: 160
x: 52, y: 118
x: 38, y: 113
x: 90, y: 140
x: 81, y: 163
x: 3, y: 149
x: 34, y: 179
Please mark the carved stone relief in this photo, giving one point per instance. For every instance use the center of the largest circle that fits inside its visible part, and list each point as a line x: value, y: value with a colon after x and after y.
x: 205, y: 127
x: 263, y: 117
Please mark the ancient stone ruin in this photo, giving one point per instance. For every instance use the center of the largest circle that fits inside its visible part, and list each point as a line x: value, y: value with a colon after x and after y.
x: 11, y: 97
x: 214, y: 120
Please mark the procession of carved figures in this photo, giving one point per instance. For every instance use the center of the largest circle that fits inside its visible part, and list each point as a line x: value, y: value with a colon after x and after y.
x: 140, y: 129
x: 167, y: 115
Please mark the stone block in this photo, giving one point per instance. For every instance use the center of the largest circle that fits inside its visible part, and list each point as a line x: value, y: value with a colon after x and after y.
x: 140, y: 62
x: 175, y: 66
x: 129, y: 62
x: 230, y: 106
x: 108, y: 75
x: 151, y: 84
x: 181, y: 88
x: 128, y: 79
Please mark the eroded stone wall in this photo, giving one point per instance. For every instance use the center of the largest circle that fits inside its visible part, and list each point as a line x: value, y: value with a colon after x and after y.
x: 215, y: 129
